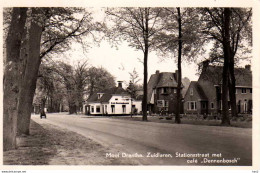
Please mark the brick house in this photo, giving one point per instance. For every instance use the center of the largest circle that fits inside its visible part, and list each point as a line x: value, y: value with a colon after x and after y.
x: 162, y: 92
x: 204, y: 96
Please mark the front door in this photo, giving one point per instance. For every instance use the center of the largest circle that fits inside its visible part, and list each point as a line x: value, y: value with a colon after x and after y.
x: 204, y: 107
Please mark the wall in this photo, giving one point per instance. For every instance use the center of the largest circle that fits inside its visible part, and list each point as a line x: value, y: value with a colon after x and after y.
x: 138, y: 105
x: 118, y: 101
x: 170, y: 96
x: 210, y: 92
x: 243, y: 98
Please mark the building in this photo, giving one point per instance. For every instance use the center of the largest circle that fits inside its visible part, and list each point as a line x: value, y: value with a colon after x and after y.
x: 204, y: 96
x: 162, y: 92
x: 113, y: 101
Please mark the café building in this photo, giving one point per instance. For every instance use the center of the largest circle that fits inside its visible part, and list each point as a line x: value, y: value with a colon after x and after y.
x: 113, y: 101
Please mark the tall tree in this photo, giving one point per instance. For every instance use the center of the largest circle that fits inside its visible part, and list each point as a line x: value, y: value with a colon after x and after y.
x: 177, y: 117
x: 182, y: 39
x: 81, y: 76
x: 53, y: 29
x: 11, y: 76
x: 133, y: 84
x: 137, y: 26
x: 29, y: 73
x: 228, y: 43
x: 226, y: 48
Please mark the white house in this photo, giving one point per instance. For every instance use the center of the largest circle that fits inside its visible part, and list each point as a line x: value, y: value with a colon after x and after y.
x: 112, y: 101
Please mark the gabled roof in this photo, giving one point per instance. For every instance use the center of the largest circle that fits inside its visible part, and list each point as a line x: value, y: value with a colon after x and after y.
x: 195, y: 85
x: 107, y: 94
x: 214, y: 75
x: 151, y: 85
x: 166, y: 79
x: 158, y: 80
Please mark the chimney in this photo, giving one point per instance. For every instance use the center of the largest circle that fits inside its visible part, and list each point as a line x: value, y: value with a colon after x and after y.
x: 157, y: 72
x: 205, y: 63
x: 248, y: 67
x: 120, y: 84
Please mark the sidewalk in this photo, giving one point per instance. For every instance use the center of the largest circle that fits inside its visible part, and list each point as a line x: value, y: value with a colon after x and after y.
x: 51, y: 145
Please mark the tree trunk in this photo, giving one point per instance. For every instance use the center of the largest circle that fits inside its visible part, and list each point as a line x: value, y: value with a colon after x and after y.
x: 11, y: 77
x: 28, y: 84
x: 232, y: 87
x: 177, y: 116
x: 72, y: 108
x: 225, y: 75
x: 146, y: 45
x: 144, y: 105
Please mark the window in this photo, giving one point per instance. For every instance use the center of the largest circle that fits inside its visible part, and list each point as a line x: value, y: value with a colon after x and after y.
x: 245, y: 106
x: 123, y: 109
x: 166, y: 103
x: 250, y: 90
x: 164, y: 90
x: 99, y: 95
x: 212, y: 105
x: 192, y: 105
x: 191, y: 91
x: 92, y: 109
x: 116, y: 98
x: 113, y: 109
x: 174, y: 90
x: 243, y: 90
x: 160, y: 103
x: 98, y: 109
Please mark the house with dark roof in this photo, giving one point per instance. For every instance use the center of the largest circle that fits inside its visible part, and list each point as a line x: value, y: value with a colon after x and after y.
x: 162, y: 92
x: 204, y: 96
x: 115, y: 100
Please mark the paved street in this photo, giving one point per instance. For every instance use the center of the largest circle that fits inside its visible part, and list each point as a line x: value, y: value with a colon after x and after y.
x: 169, y: 144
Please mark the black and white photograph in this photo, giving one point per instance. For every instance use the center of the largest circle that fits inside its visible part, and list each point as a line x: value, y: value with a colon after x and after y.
x: 129, y: 86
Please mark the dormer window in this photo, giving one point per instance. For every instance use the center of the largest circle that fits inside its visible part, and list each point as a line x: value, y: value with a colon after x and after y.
x: 164, y: 90
x: 100, y: 95
x: 191, y: 91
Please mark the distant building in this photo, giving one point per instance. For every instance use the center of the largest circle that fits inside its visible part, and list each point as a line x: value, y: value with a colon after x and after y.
x: 113, y: 101
x: 204, y: 96
x: 162, y: 92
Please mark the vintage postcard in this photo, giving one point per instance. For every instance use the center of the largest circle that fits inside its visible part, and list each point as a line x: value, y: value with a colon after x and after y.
x: 116, y: 85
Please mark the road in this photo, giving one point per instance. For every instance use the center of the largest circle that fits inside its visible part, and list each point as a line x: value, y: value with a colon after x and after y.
x: 168, y: 144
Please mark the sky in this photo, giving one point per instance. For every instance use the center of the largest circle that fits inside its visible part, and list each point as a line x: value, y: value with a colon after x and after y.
x: 122, y: 60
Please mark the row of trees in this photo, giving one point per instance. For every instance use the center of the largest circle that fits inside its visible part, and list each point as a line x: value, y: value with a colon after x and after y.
x: 34, y: 34
x: 63, y: 84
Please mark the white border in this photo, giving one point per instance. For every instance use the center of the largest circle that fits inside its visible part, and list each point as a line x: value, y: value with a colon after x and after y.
x: 255, y: 4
